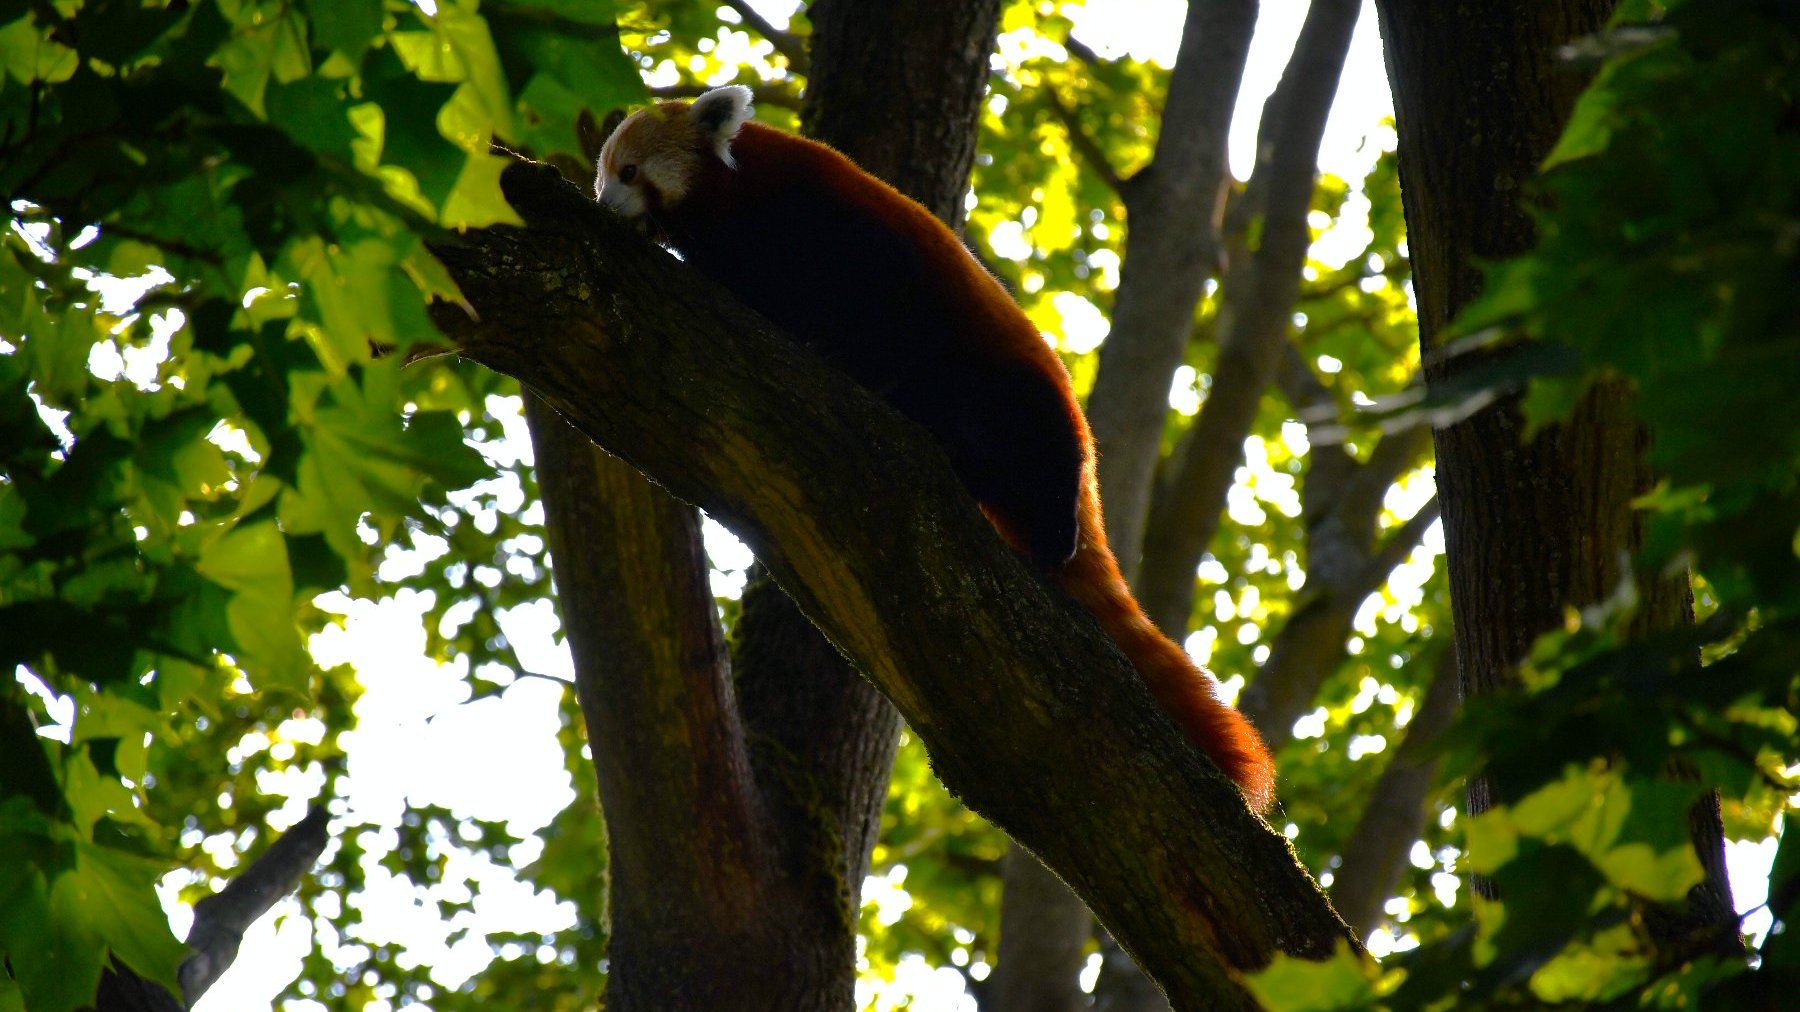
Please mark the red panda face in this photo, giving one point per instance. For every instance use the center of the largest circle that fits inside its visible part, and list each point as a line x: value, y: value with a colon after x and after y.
x: 650, y: 162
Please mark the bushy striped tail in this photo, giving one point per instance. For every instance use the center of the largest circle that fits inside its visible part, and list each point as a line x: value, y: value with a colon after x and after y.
x: 1184, y: 690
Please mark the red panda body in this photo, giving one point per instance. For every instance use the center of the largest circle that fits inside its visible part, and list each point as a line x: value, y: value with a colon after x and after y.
x: 880, y: 288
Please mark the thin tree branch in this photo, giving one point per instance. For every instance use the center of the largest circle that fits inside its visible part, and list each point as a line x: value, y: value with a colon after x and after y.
x: 1082, y: 51
x: 1396, y: 548
x: 1396, y: 453
x: 766, y: 94
x: 1083, y: 142
x: 221, y: 919
x: 1254, y: 317
x: 1171, y: 249
x: 787, y: 44
x: 1310, y: 645
x: 1375, y: 855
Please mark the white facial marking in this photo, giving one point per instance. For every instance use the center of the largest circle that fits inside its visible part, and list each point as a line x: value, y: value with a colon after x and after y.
x: 627, y: 199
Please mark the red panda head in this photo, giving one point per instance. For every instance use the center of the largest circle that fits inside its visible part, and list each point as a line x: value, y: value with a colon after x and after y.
x: 650, y: 162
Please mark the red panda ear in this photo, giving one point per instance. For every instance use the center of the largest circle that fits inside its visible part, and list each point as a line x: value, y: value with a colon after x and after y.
x: 718, y: 114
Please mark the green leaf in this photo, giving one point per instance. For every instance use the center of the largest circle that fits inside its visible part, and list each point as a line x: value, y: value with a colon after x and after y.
x: 564, y: 72
x: 347, y: 26
x: 313, y: 112
x: 435, y: 443
x: 27, y: 54
x: 476, y: 201
x: 410, y: 137
x: 1345, y: 981
x: 251, y: 561
x: 176, y: 450
x: 466, y: 34
x: 111, y: 895
x: 602, y: 13
x: 93, y: 795
x: 55, y: 965
x: 1783, y: 950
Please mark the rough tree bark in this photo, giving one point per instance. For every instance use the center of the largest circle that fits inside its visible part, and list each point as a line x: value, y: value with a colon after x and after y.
x: 897, y: 86
x: 692, y: 926
x: 1028, y: 711
x: 775, y: 765
x: 1530, y: 526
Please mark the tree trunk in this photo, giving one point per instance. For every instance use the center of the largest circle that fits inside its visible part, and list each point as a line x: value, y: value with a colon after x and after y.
x: 771, y: 770
x: 724, y: 917
x: 897, y: 86
x: 1044, y: 929
x: 1530, y: 526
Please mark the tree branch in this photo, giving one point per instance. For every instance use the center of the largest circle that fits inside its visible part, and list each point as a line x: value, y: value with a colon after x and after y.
x: 1394, y: 816
x: 1311, y: 644
x: 221, y: 919
x: 669, y: 749
x: 1254, y: 316
x: 1028, y: 711
x: 766, y: 94
x: 1171, y: 248
x: 787, y: 44
x: 1083, y: 142
x: 1398, y: 546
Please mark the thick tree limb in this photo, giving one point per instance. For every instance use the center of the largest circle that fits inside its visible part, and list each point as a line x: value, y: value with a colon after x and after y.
x: 720, y: 918
x: 1029, y: 712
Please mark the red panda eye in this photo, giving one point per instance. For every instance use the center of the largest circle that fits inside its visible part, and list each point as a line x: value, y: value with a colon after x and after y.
x: 627, y: 174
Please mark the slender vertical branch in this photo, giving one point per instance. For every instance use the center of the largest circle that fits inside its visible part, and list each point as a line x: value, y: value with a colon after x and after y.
x: 1171, y: 249
x: 1254, y: 316
x: 1375, y: 855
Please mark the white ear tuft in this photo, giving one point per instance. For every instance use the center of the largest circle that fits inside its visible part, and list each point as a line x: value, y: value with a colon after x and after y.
x: 719, y: 113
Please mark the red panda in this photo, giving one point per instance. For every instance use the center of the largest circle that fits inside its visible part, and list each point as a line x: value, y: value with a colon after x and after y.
x: 884, y: 291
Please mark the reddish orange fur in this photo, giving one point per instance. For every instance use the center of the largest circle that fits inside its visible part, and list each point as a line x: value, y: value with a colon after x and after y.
x: 704, y: 211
